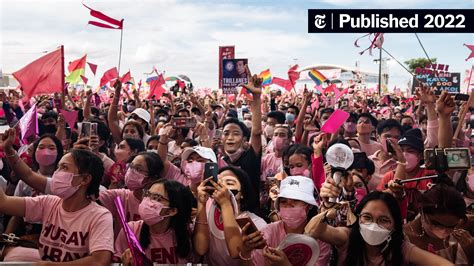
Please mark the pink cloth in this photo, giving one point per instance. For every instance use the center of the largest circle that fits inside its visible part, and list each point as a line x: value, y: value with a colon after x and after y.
x: 381, y: 168
x: 68, y: 236
x: 162, y: 248
x: 370, y: 148
x: 270, y: 166
x: 325, y: 252
x: 174, y: 173
x: 130, y: 204
x: 274, y: 233
x: 431, y: 140
x: 22, y: 254
x: 317, y: 171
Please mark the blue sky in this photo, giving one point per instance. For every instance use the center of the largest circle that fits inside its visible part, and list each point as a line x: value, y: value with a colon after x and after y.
x: 182, y: 37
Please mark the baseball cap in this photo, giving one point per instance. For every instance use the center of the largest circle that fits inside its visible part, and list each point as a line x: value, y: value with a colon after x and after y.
x: 204, y: 152
x: 412, y: 138
x: 297, y: 188
x: 143, y: 114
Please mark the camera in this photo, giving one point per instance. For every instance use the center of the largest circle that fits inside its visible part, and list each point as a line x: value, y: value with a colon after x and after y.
x: 446, y: 159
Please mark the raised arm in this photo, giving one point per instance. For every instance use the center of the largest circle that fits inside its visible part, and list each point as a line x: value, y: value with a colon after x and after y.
x: 163, y: 146
x: 301, y: 115
x: 112, y: 116
x: 445, y: 106
x: 14, y: 206
x: 21, y: 169
x: 428, y: 99
x: 87, y: 106
x: 255, y: 87
x: 201, y: 228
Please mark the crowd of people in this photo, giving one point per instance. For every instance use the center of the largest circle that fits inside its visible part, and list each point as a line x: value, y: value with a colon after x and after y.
x: 59, y: 187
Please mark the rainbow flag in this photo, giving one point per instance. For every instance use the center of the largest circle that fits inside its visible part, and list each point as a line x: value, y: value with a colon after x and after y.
x: 267, y: 77
x: 316, y: 76
x: 76, y: 69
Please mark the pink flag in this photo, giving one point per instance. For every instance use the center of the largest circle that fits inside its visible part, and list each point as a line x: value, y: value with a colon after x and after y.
x: 409, y: 111
x: 335, y: 121
x: 42, y: 76
x: 29, y: 123
x: 139, y: 257
x: 315, y: 104
x: 319, y: 88
x: 126, y: 77
x: 156, y: 87
x: 293, y: 75
x: 113, y: 23
x: 70, y: 117
x: 108, y: 76
x: 84, y: 79
x: 470, y: 47
x: 284, y: 83
x: 93, y: 67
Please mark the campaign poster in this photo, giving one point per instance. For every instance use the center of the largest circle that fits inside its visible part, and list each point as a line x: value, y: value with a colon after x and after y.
x: 233, y: 74
x: 447, y: 81
x: 225, y: 52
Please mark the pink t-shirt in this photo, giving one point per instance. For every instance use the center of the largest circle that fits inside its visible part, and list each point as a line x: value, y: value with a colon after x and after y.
x: 68, y: 236
x: 129, y: 201
x: 22, y: 254
x: 162, y: 247
x: 274, y: 233
x: 270, y: 166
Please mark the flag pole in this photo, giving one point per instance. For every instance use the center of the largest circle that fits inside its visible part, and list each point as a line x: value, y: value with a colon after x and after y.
x: 120, y: 52
x: 63, y: 99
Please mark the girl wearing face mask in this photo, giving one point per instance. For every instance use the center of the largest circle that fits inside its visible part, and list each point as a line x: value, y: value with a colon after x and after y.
x: 272, y: 162
x: 123, y: 154
x: 294, y: 202
x: 437, y: 227
x: 299, y: 162
x: 69, y: 210
x: 376, y: 238
x: 165, y: 213
x: 47, y: 151
x: 231, y: 180
x: 146, y: 167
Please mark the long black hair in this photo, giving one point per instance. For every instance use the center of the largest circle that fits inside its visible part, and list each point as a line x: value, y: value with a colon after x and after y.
x: 180, y: 197
x: 89, y: 163
x: 392, y: 255
x: 248, y: 200
x: 154, y: 164
x: 59, y: 149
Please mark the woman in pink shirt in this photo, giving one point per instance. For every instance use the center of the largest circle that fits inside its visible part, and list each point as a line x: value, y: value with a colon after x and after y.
x: 163, y: 232
x: 76, y: 230
x: 124, y: 153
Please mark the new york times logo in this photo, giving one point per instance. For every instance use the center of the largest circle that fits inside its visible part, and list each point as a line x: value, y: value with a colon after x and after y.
x: 391, y: 20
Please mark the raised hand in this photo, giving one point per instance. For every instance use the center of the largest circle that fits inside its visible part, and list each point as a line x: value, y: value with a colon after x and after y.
x: 254, y: 83
x: 426, y: 95
x: 445, y: 104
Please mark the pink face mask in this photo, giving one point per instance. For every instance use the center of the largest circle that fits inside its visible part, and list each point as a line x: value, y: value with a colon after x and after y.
x: 150, y: 211
x: 303, y: 171
x: 134, y: 179
x: 194, y: 171
x: 278, y: 143
x: 46, y: 157
x: 412, y: 161
x: 293, y: 217
x: 360, y: 193
x: 61, y: 184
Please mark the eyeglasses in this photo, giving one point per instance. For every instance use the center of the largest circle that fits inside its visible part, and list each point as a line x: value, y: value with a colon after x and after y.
x: 154, y: 196
x: 138, y: 169
x: 382, y: 221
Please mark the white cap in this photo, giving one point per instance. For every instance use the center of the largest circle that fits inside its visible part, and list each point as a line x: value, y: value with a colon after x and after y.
x: 204, y: 152
x: 143, y: 114
x: 297, y: 188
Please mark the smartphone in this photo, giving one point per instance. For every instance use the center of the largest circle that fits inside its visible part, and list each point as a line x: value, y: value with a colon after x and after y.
x: 211, y: 169
x: 85, y: 129
x: 242, y: 221
x: 390, y: 148
x: 184, y: 122
x: 93, y: 129
x: 218, y: 134
x: 447, y: 159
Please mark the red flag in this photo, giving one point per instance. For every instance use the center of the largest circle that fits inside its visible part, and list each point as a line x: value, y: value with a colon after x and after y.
x: 125, y: 78
x: 293, y: 75
x: 181, y: 84
x: 77, y: 64
x: 93, y: 67
x: 139, y: 84
x: 156, y: 87
x: 84, y: 79
x: 284, y: 83
x: 29, y: 123
x: 44, y: 75
x: 116, y: 24
x: 470, y: 47
x: 70, y: 117
x: 108, y: 76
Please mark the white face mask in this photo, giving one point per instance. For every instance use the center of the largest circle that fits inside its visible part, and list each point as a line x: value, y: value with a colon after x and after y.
x: 373, y: 234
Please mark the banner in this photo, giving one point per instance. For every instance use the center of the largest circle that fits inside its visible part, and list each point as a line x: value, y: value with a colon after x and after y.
x: 233, y: 74
x: 225, y: 52
x: 450, y: 82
